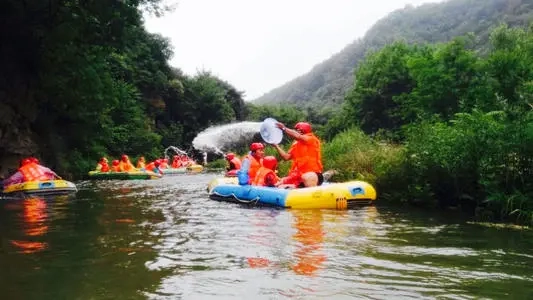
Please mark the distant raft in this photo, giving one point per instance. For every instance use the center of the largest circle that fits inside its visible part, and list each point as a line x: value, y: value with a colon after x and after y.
x: 45, y: 187
x: 328, y: 195
x: 142, y: 175
x: 184, y: 170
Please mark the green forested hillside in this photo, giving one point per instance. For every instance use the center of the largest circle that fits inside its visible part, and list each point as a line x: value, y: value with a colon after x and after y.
x: 328, y: 81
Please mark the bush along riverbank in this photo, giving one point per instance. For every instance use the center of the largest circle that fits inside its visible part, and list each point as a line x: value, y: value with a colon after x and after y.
x: 458, y: 124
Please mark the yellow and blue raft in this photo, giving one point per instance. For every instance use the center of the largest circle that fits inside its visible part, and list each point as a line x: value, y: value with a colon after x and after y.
x: 328, y: 195
x: 45, y: 187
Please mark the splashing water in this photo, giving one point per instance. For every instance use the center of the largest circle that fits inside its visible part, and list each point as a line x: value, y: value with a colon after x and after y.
x: 175, y: 149
x: 219, y: 138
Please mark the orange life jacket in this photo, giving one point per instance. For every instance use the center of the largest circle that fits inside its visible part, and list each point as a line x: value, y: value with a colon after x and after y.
x: 262, y: 173
x: 236, y: 162
x: 150, y: 166
x: 306, y: 156
x: 126, y: 166
x: 254, y: 167
x: 104, y: 167
x: 141, y: 164
x: 116, y: 168
x: 176, y: 163
x: 33, y: 172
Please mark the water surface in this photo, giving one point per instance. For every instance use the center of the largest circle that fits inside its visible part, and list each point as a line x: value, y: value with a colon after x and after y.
x: 164, y: 239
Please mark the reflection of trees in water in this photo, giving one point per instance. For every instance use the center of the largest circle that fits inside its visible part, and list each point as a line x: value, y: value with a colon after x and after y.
x: 310, y: 235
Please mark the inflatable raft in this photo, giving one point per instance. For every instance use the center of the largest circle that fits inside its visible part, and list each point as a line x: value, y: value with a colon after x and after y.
x: 184, y: 170
x: 329, y: 195
x: 123, y: 175
x: 48, y: 187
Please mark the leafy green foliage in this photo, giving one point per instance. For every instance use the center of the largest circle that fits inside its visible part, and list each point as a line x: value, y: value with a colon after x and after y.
x: 465, y: 143
x: 85, y: 79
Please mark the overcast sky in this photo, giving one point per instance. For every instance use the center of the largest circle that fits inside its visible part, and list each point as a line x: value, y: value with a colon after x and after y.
x: 259, y: 45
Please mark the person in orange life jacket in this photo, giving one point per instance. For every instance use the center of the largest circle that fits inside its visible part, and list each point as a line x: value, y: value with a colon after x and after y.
x: 305, y: 153
x: 30, y: 171
x: 185, y: 161
x: 251, y: 164
x: 157, y: 166
x: 125, y: 165
x: 141, y: 163
x: 176, y: 162
x: 102, y: 165
x: 150, y: 166
x: 163, y: 163
x: 266, y: 175
x: 234, y: 164
x: 115, y: 166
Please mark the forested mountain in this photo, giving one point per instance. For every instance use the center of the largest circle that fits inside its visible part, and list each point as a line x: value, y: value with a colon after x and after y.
x: 327, y: 83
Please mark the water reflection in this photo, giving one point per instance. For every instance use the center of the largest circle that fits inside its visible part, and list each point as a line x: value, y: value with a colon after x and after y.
x: 33, y: 225
x: 310, y: 238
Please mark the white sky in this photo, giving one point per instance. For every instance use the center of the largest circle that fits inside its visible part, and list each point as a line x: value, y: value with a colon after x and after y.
x: 257, y: 46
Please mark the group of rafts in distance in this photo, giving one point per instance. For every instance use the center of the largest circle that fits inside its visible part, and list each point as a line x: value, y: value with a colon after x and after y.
x: 34, y: 178
x: 254, y: 180
x: 124, y: 169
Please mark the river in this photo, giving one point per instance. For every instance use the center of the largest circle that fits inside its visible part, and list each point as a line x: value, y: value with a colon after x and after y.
x: 164, y: 239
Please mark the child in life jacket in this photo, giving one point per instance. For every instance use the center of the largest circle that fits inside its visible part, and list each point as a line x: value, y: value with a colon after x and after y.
x: 266, y: 175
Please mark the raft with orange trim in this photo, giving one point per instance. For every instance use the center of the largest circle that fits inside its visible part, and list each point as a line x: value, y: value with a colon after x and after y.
x: 45, y: 187
x: 342, y: 195
x: 124, y: 175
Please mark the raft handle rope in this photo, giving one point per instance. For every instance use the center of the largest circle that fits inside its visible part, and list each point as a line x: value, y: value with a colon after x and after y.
x: 254, y: 200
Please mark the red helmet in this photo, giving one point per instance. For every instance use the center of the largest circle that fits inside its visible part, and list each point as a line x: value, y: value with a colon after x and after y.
x: 115, y: 162
x: 157, y: 162
x: 25, y: 161
x: 103, y: 159
x: 125, y: 157
x: 230, y: 156
x: 256, y: 146
x: 303, y: 127
x: 270, y: 162
x: 34, y: 160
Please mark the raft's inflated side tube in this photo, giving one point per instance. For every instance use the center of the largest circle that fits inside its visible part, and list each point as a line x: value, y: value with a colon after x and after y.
x: 333, y: 195
x: 195, y: 168
x: 48, y: 187
x: 174, y: 171
x: 183, y: 170
x: 124, y: 175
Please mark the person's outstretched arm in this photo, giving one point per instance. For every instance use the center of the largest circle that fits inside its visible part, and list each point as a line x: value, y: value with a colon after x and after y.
x: 283, y: 154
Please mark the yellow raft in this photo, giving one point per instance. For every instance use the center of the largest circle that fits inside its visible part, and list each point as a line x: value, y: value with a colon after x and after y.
x: 183, y: 170
x: 46, y: 187
x: 329, y: 195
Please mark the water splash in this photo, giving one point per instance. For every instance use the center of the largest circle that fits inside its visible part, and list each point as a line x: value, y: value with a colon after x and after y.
x: 175, y: 149
x: 219, y: 138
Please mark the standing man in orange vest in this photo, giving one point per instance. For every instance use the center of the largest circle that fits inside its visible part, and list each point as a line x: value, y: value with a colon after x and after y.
x: 305, y: 153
